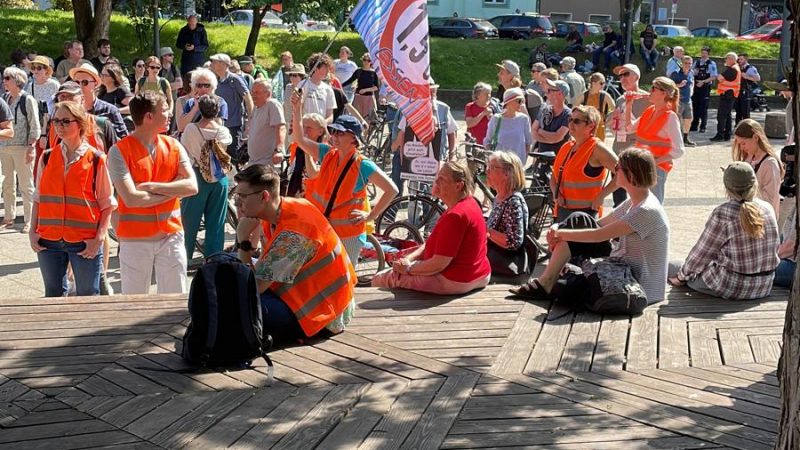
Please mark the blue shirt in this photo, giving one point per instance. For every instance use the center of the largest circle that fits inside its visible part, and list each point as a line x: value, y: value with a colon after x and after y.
x: 673, y: 65
x: 686, y: 91
x: 233, y: 89
x: 110, y: 112
x: 223, y: 108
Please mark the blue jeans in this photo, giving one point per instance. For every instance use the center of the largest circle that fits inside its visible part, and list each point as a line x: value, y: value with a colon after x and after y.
x: 610, y: 59
x: 211, y: 204
x: 279, y: 320
x: 784, y: 273
x: 650, y: 56
x: 661, y: 183
x: 53, y: 261
x: 399, y: 182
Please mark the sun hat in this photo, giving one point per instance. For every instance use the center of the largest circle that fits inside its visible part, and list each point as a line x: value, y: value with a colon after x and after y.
x: 69, y: 87
x: 512, y: 94
x: 221, y: 57
x: 347, y: 124
x: 630, y: 68
x: 560, y: 85
x: 86, y: 68
x: 297, y: 69
x: 166, y: 51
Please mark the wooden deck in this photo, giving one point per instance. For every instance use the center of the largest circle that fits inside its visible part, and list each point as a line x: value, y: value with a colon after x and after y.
x: 410, y: 372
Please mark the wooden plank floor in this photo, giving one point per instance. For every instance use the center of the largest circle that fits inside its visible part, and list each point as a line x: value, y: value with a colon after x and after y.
x: 411, y: 371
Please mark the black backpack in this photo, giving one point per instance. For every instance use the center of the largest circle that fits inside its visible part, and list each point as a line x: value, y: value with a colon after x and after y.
x: 226, y: 328
x: 602, y: 286
x: 22, y: 105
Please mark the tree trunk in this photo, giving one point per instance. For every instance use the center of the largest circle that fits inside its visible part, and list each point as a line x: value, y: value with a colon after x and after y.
x: 255, y: 28
x: 789, y: 365
x: 91, y: 26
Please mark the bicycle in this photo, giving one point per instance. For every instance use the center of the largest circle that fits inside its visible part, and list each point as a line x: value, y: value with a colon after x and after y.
x: 398, y: 240
x: 378, y: 142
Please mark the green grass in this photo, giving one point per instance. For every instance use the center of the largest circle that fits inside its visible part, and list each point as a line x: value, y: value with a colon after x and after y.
x: 455, y: 63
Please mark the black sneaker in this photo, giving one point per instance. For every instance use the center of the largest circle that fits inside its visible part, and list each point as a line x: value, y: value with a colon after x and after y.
x: 693, y: 129
x: 717, y: 138
x: 689, y: 143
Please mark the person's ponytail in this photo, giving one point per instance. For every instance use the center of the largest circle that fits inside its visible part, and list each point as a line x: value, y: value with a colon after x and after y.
x: 751, y: 219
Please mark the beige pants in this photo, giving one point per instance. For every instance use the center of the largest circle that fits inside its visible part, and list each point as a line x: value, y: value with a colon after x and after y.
x: 12, y: 158
x: 167, y: 255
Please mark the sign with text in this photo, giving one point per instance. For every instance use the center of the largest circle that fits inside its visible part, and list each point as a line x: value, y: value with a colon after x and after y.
x: 419, y: 161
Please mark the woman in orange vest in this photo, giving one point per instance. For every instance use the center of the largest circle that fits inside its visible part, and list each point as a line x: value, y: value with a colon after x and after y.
x: 302, y: 171
x: 305, y: 280
x: 340, y: 189
x: 659, y: 128
x: 72, y: 207
x: 582, y: 167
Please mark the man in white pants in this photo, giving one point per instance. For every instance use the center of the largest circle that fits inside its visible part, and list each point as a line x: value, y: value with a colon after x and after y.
x: 151, y: 172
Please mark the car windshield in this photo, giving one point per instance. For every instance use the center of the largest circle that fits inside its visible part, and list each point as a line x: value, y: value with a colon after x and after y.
x: 483, y: 23
x: 767, y: 28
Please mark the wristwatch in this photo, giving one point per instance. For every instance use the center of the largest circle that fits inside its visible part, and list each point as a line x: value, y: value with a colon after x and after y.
x: 245, y: 245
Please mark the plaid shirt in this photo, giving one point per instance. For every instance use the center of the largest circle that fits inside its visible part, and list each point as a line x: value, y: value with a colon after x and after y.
x: 725, y: 252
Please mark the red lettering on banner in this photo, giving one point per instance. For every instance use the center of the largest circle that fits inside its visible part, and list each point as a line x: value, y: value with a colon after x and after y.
x: 388, y: 46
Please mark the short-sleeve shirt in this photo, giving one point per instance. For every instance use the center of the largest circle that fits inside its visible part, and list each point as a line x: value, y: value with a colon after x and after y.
x: 5, y: 111
x: 649, y: 38
x: 116, y: 96
x: 646, y: 250
x: 119, y: 171
x: 367, y: 168
x: 223, y: 108
x: 233, y: 89
x: 686, y: 91
x: 550, y: 122
x: 514, y: 134
x: 479, y: 130
x: 461, y: 235
x: 317, y: 98
x: 263, y: 130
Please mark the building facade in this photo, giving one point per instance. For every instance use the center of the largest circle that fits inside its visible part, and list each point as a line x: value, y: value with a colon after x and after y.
x: 479, y: 9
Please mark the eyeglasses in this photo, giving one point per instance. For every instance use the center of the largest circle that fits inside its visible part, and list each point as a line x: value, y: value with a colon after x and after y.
x: 140, y: 66
x: 62, y: 122
x: 37, y: 67
x: 241, y: 196
x: 655, y: 88
x: 85, y: 82
x: 203, y: 85
x: 624, y: 74
x: 154, y: 68
x: 577, y: 121
x: 7, y: 78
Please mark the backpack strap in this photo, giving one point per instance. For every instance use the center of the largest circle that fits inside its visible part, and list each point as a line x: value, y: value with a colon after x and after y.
x: 206, y: 271
x: 338, y: 184
x: 46, y: 157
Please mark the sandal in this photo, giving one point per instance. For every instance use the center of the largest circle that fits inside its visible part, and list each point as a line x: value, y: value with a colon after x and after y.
x: 532, y: 290
x: 6, y: 224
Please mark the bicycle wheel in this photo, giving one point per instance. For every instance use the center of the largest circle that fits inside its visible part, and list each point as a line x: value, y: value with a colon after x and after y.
x: 403, y: 231
x: 371, y: 260
x: 420, y: 211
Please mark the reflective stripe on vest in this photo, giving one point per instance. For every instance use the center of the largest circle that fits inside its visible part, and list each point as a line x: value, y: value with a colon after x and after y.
x: 68, y: 207
x: 320, y: 192
x: 649, y: 127
x: 143, y: 223
x: 735, y: 85
x: 323, y: 287
x: 576, y: 189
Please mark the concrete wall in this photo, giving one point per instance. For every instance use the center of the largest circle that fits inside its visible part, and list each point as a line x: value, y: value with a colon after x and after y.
x: 478, y: 8
x: 581, y: 9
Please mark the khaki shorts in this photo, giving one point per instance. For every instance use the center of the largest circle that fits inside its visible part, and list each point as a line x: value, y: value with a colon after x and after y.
x: 685, y: 110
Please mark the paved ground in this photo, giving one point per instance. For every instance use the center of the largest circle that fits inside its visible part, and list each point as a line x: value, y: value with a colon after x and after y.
x: 694, y: 188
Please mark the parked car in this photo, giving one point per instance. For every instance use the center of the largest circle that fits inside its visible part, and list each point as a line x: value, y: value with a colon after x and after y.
x: 522, y: 26
x: 713, y: 32
x: 586, y: 29
x: 672, y: 31
x: 457, y: 27
x: 770, y: 32
x: 273, y: 21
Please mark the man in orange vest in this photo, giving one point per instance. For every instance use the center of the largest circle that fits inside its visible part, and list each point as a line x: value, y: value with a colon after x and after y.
x: 151, y: 173
x: 304, y: 276
x: 728, y: 85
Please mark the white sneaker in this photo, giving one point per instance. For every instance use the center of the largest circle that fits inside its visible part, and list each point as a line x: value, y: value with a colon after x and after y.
x: 71, y: 289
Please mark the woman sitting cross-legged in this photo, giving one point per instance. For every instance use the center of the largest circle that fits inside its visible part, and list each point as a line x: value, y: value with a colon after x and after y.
x: 453, y: 259
x: 639, y: 222
x: 509, y: 217
x: 736, y: 256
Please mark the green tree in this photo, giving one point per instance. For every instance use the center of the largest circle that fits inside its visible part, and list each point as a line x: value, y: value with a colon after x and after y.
x: 91, y: 25
x: 17, y: 4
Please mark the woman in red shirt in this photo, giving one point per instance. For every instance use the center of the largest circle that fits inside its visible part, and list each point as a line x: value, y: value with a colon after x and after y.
x: 453, y: 260
x: 478, y: 112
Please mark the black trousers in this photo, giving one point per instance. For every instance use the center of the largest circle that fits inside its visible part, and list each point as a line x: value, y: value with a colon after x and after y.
x: 724, y: 126
x: 742, y: 107
x: 700, y: 107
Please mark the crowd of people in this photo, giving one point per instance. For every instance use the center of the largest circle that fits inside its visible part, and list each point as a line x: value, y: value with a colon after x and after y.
x: 153, y: 154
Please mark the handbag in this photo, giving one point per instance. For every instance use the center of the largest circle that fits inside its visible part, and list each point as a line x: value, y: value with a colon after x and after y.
x: 506, y: 262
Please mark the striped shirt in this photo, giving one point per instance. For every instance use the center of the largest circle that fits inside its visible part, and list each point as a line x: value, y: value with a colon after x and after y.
x: 724, y: 253
x: 646, y: 250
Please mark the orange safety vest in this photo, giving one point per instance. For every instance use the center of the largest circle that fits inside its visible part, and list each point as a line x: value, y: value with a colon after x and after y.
x: 69, y: 210
x: 321, y: 191
x: 91, y: 137
x: 735, y: 85
x: 143, y: 223
x: 647, y: 134
x: 576, y: 190
x: 324, y: 286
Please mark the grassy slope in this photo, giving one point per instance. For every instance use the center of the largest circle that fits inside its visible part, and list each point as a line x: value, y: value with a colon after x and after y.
x: 456, y: 64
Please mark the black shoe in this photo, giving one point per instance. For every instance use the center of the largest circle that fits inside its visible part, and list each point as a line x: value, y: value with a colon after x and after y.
x: 689, y: 143
x: 692, y: 128
x: 726, y: 138
x: 717, y: 138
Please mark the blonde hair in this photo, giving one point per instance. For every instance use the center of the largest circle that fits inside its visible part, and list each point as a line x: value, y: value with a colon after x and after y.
x: 590, y: 113
x: 597, y: 76
x: 461, y: 172
x: 749, y: 128
x: 551, y: 74
x: 670, y: 89
x: 516, y: 82
x: 512, y: 166
x: 78, y: 112
x: 319, y: 122
x: 750, y: 216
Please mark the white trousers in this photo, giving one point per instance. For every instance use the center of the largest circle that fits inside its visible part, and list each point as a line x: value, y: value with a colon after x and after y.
x: 12, y: 159
x: 167, y: 255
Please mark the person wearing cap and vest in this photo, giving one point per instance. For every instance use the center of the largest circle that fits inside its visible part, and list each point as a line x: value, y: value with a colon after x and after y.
x: 729, y: 83
x: 658, y: 129
x: 72, y: 207
x: 582, y: 166
x: 304, y: 276
x: 151, y: 173
x: 340, y: 189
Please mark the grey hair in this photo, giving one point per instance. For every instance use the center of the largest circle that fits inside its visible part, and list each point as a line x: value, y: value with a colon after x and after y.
x: 479, y: 87
x: 262, y: 82
x: 200, y: 74
x: 19, y: 75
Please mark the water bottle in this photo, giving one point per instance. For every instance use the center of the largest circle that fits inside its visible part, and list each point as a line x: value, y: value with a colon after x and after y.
x: 621, y: 135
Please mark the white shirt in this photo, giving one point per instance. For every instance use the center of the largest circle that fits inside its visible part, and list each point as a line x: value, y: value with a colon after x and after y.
x: 317, y: 98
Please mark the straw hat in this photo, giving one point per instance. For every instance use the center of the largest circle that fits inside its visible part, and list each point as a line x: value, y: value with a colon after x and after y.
x: 43, y: 61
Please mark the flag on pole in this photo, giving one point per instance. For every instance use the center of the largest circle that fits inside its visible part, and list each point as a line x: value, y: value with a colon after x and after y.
x: 396, y: 35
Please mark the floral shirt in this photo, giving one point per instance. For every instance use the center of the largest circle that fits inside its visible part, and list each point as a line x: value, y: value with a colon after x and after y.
x: 510, y: 217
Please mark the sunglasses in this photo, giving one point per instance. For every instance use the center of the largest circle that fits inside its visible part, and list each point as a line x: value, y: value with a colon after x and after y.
x: 338, y: 133
x: 154, y: 68
x: 85, y: 82
x: 37, y: 67
x: 577, y: 121
x: 553, y: 91
x: 203, y: 85
x: 62, y: 122
x: 624, y: 74
x: 7, y: 78
x: 140, y: 65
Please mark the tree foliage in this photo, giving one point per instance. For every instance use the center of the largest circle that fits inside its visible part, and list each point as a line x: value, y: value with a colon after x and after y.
x: 17, y: 4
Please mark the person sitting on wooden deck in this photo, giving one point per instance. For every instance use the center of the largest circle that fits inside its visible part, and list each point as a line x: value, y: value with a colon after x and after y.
x: 639, y: 222
x: 453, y: 259
x: 736, y: 256
x: 304, y: 276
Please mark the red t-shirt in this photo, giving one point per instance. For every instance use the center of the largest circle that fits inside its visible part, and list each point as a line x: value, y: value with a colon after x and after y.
x: 479, y: 130
x: 461, y: 234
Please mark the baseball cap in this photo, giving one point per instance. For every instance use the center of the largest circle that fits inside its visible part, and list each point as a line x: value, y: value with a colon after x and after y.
x: 628, y: 68
x: 221, y: 57
x: 348, y: 124
x: 568, y: 61
x: 245, y: 60
x: 510, y: 66
x: 297, y: 68
x: 512, y: 94
x: 69, y: 87
x: 560, y: 85
x: 86, y: 68
x: 739, y: 177
x: 166, y: 51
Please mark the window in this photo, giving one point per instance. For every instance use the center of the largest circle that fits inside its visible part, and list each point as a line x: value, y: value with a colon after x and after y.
x: 559, y: 16
x: 681, y: 22
x: 719, y: 23
x: 599, y: 18
x: 494, y: 2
